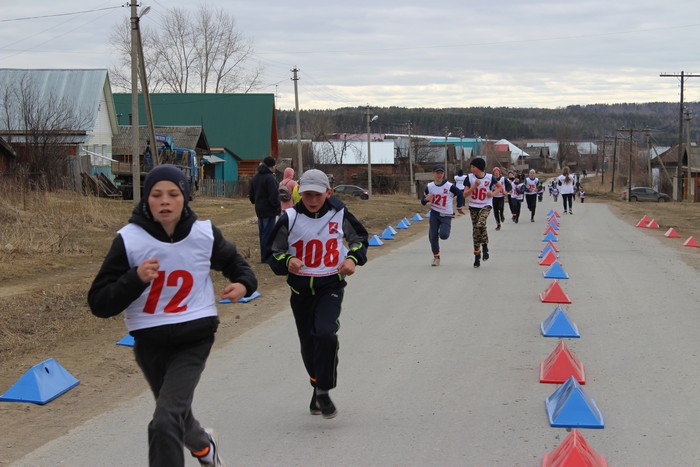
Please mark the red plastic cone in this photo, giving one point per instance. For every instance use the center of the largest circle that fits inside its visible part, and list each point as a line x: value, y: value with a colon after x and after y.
x: 560, y: 365
x: 652, y: 224
x: 548, y: 259
x: 574, y: 451
x: 550, y: 229
x: 671, y: 233
x: 554, y: 294
x: 553, y: 220
x: 643, y: 222
x: 691, y: 242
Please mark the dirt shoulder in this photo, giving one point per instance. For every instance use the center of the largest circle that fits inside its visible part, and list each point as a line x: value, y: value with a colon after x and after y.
x: 45, y: 315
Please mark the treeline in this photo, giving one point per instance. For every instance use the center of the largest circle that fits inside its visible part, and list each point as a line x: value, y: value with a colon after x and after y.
x: 572, y: 123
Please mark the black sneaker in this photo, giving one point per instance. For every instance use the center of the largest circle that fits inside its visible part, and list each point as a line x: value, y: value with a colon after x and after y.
x: 485, y: 252
x: 324, y: 402
x: 498, y: 226
x: 477, y: 261
x: 313, y: 406
x: 503, y: 218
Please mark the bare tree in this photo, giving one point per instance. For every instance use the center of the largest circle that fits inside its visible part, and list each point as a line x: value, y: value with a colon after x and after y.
x: 204, y: 52
x: 43, y: 127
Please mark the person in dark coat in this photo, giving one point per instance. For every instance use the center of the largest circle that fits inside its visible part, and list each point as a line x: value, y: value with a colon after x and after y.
x: 157, y: 272
x: 264, y: 194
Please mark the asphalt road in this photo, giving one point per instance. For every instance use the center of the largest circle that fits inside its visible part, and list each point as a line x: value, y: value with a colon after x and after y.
x: 440, y: 366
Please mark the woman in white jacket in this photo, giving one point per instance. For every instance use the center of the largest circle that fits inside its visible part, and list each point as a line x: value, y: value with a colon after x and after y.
x: 567, y: 184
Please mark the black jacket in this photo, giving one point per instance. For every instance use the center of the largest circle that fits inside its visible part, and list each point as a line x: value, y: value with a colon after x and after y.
x: 264, y: 193
x: 356, y: 237
x: 117, y: 284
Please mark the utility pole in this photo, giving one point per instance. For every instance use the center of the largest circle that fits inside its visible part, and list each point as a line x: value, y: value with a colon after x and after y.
x: 629, y: 162
x: 691, y: 184
x: 135, y: 157
x: 370, y: 119
x: 295, y: 78
x: 146, y: 93
x: 682, y: 76
x: 460, y: 132
x: 614, y: 163
x: 410, y: 161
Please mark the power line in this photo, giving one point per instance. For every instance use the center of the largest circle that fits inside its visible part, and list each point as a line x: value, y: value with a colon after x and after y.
x: 58, y: 14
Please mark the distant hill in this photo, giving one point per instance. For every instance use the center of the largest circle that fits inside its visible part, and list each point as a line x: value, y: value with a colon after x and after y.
x: 572, y: 123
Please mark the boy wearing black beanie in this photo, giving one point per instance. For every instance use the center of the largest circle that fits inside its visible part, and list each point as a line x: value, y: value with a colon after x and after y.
x: 479, y: 190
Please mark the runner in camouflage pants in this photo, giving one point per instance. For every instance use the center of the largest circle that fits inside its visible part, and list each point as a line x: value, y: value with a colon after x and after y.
x: 479, y: 234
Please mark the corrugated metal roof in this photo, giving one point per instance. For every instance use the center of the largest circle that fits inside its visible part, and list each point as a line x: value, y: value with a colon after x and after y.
x: 243, y: 123
x: 189, y: 137
x: 78, y: 89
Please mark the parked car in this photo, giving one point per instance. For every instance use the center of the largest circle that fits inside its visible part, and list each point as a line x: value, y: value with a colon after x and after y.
x: 643, y: 193
x: 351, y: 190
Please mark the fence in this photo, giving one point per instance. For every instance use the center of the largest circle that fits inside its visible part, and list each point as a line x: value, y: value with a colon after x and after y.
x: 219, y: 188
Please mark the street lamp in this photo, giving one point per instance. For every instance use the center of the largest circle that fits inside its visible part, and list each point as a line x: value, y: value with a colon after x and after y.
x: 370, y: 119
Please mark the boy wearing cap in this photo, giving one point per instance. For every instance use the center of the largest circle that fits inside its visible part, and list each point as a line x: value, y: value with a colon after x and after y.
x: 440, y: 194
x: 158, y: 272
x: 307, y: 246
x: 480, y: 188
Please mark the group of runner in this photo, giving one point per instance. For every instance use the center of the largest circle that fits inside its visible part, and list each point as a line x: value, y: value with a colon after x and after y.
x: 485, y: 192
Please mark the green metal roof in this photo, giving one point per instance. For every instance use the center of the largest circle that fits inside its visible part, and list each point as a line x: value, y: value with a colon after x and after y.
x: 245, y: 124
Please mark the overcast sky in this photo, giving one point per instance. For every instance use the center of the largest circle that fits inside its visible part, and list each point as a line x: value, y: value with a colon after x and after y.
x: 439, y: 53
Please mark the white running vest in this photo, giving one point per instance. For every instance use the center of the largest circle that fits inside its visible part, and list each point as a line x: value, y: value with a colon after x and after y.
x: 479, y: 197
x: 318, y: 243
x: 502, y: 181
x: 183, y: 290
x: 442, y: 198
x: 459, y: 181
x: 531, y: 185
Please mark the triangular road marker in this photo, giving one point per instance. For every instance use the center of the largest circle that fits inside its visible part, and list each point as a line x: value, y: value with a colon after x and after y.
x: 401, y: 225
x: 554, y: 294
x: 548, y: 259
x: 691, y: 242
x: 375, y: 241
x: 550, y: 237
x: 560, y: 365
x: 555, y: 271
x: 558, y: 325
x: 550, y: 229
x: 554, y: 247
x: 570, y: 407
x: 652, y: 224
x: 671, y: 233
x: 574, y: 451
x: 643, y: 222
x: 548, y: 247
x: 42, y: 383
x: 386, y: 235
x: 126, y: 341
x: 416, y: 217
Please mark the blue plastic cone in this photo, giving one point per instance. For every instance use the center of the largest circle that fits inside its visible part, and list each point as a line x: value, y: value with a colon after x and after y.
x: 555, y: 271
x: 126, y: 341
x: 570, y: 407
x: 392, y: 230
x: 253, y: 296
x: 386, y: 235
x: 375, y: 241
x: 406, y: 222
x: 427, y: 214
x: 42, y: 383
x: 554, y: 226
x: 558, y: 325
x: 401, y: 225
x: 417, y: 217
x: 550, y: 237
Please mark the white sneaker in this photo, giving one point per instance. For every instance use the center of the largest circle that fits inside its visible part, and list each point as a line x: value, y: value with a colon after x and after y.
x: 214, y: 440
x: 436, y: 261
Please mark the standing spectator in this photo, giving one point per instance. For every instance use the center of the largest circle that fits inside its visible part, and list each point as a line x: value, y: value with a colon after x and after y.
x: 440, y: 194
x: 307, y: 247
x: 480, y: 188
x: 264, y: 194
x: 157, y: 272
x: 567, y: 184
x: 287, y: 200
x: 499, y: 198
x: 532, y: 188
